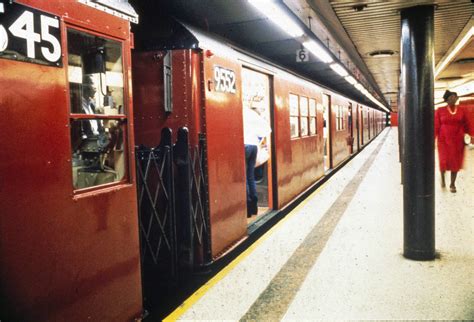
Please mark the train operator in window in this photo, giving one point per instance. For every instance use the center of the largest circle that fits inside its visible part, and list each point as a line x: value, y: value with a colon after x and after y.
x: 93, y: 127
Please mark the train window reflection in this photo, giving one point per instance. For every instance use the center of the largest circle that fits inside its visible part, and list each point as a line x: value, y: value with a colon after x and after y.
x: 95, y: 74
x: 294, y: 116
x: 304, y: 116
x: 97, y: 120
x: 312, y: 117
x: 97, y: 158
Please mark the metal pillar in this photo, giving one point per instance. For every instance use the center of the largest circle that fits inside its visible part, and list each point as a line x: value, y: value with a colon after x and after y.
x: 417, y: 61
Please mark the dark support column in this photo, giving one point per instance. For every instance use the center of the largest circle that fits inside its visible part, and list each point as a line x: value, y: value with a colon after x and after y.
x: 417, y: 63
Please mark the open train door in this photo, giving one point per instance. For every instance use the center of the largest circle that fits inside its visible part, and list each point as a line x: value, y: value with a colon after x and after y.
x: 256, y: 95
x: 327, y: 132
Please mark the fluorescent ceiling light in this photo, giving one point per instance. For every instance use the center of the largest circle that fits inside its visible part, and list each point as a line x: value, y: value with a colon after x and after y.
x: 319, y: 51
x: 351, y: 80
x: 359, y: 86
x: 270, y: 9
x: 455, y: 51
x: 370, y: 96
x: 339, y: 69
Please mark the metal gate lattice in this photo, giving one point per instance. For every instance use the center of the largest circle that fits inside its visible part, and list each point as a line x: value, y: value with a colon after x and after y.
x: 199, y: 200
x: 156, y: 208
x: 173, y: 207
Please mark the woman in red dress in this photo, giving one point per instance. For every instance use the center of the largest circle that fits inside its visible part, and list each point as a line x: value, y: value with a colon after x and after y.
x: 450, y: 126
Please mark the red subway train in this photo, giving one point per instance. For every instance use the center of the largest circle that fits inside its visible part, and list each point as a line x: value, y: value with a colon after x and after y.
x: 73, y: 243
x: 205, y: 85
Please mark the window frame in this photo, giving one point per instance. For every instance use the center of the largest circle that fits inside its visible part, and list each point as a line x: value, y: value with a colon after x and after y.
x: 313, y: 119
x: 304, y: 118
x: 294, y: 116
x: 122, y: 118
x: 340, y: 124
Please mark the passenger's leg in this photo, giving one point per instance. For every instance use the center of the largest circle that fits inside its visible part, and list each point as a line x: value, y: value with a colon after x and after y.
x: 252, y: 199
x: 452, y: 187
x: 443, y: 181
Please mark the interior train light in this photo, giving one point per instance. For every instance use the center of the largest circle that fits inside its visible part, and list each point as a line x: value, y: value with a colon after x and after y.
x: 339, y: 69
x: 270, y: 9
x: 319, y: 51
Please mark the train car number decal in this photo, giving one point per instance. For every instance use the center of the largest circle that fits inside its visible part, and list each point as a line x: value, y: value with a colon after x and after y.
x: 224, y: 80
x: 30, y: 35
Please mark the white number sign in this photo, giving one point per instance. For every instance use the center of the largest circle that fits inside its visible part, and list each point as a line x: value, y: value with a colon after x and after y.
x: 302, y: 55
x: 29, y: 34
x: 224, y: 80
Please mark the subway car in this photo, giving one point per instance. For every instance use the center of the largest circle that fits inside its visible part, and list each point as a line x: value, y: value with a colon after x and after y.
x: 73, y: 242
x: 201, y: 82
x: 68, y: 229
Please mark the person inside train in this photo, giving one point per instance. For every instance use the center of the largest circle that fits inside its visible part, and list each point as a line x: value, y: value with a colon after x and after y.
x: 93, y: 127
x: 256, y: 128
x: 450, y: 126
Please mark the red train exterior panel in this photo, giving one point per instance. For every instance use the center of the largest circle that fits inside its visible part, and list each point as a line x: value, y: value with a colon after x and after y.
x: 294, y: 172
x: 64, y: 256
x: 226, y: 165
x: 150, y: 116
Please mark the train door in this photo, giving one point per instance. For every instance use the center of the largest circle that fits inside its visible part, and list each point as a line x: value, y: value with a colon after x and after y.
x: 256, y: 104
x: 357, y: 127
x: 350, y: 129
x: 369, y: 134
x: 327, y: 131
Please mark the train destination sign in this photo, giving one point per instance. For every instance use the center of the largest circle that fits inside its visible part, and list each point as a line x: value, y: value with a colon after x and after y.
x: 29, y: 35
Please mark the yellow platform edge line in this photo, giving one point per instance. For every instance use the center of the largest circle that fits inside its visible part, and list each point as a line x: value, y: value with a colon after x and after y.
x: 190, y: 301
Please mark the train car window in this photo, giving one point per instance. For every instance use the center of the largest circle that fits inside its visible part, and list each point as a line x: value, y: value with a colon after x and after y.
x: 97, y: 119
x: 339, y: 118
x: 294, y: 116
x: 304, y: 116
x: 312, y: 117
x: 343, y: 119
x: 95, y: 73
x: 168, y: 81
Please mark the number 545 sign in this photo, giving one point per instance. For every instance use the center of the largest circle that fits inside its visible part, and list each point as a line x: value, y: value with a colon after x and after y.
x: 29, y: 35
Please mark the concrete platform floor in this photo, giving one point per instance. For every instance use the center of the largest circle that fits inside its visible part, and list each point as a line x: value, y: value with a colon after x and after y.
x: 338, y: 255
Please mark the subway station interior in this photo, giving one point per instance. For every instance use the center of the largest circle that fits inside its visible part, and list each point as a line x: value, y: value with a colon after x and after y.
x: 237, y: 160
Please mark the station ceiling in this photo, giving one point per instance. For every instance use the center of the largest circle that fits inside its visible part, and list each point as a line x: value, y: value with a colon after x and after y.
x: 374, y: 26
x: 351, y: 30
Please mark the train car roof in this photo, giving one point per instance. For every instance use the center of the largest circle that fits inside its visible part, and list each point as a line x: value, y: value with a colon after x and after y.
x: 119, y: 8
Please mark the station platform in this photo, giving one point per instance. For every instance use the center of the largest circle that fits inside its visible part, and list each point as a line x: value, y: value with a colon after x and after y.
x: 338, y: 255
